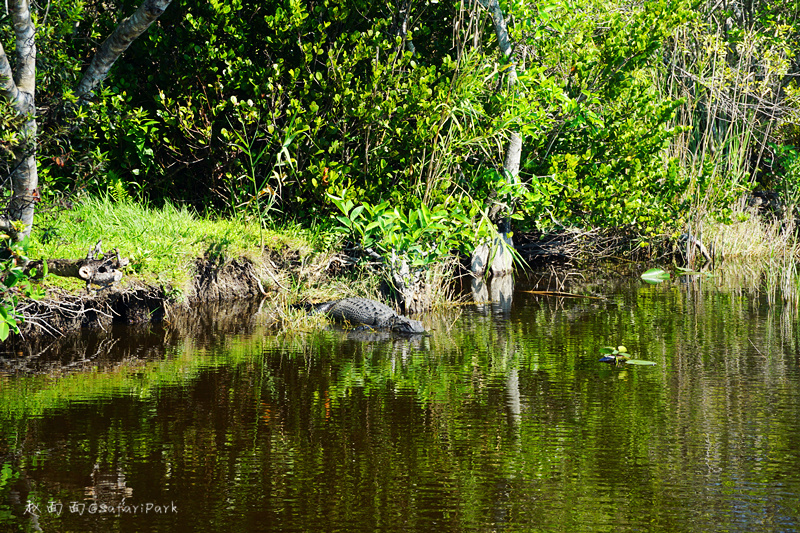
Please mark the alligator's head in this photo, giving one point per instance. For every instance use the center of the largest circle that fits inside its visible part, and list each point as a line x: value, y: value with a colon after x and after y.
x: 403, y: 324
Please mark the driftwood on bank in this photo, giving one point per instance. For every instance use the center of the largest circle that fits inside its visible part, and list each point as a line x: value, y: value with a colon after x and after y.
x: 96, y: 267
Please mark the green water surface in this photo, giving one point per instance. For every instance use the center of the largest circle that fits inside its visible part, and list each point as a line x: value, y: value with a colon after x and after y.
x: 502, y: 419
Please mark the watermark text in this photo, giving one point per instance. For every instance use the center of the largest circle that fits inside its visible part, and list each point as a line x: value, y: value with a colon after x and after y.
x: 92, y: 508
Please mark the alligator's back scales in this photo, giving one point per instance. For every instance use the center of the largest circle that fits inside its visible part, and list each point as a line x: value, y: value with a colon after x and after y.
x: 369, y: 313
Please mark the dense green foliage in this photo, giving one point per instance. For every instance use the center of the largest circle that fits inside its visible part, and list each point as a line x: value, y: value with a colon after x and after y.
x: 419, y: 237
x: 631, y: 114
x: 15, y: 284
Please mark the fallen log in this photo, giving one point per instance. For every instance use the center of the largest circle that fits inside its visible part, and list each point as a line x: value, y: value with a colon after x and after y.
x: 96, y: 267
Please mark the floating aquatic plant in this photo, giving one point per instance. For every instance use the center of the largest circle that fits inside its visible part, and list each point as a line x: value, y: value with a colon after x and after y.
x: 655, y: 275
x: 619, y: 355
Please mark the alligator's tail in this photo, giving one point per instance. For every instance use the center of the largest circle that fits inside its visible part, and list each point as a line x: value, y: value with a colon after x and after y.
x: 315, y: 308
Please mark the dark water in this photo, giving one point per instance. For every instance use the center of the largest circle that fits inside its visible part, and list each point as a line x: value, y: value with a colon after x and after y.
x: 502, y: 420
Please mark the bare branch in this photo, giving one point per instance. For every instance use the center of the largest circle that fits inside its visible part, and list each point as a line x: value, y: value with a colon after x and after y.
x: 113, y: 47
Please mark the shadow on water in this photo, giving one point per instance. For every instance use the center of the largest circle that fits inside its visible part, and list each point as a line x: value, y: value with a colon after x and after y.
x: 502, y: 418
x: 102, y: 347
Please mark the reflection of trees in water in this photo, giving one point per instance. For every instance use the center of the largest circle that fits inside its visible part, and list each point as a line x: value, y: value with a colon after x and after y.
x: 734, y: 363
x: 503, y: 407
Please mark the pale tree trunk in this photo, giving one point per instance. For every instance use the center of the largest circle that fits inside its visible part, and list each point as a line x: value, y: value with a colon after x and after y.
x: 495, y: 253
x: 119, y: 41
x: 18, y: 86
x: 18, y: 89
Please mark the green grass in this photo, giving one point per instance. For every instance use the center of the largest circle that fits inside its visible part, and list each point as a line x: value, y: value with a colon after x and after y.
x: 161, y: 243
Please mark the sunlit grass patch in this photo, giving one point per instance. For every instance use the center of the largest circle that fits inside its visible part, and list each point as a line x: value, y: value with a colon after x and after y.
x: 162, y: 244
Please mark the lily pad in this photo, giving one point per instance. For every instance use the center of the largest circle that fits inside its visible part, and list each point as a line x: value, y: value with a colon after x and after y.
x: 640, y: 362
x: 655, y: 275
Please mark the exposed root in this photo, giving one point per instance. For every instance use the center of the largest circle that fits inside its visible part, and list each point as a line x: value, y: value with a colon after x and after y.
x: 53, y: 316
x: 573, y: 245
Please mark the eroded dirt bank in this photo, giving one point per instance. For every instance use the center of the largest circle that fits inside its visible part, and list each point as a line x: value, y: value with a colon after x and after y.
x: 62, y: 312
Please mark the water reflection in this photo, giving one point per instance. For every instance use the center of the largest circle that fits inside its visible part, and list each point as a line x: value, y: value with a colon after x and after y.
x: 499, y: 290
x: 501, y: 419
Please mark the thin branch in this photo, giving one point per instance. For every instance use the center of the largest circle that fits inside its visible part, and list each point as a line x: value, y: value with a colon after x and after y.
x: 501, y: 30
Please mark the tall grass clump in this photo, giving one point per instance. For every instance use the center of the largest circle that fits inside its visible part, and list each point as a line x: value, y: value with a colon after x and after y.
x: 765, y: 248
x: 748, y: 235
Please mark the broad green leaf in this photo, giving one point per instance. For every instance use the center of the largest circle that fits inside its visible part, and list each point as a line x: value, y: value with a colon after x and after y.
x: 356, y: 212
x: 11, y: 278
x: 639, y: 362
x: 655, y: 275
x: 345, y: 221
x: 424, y: 215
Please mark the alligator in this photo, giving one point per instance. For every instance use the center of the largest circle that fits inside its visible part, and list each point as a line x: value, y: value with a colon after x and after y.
x: 368, y: 313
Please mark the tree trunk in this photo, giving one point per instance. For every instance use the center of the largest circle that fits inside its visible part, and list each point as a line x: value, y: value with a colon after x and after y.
x: 119, y: 41
x: 18, y: 89
x: 497, y: 253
